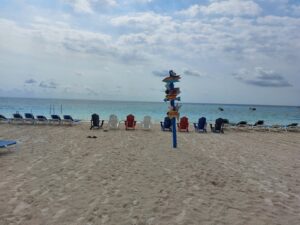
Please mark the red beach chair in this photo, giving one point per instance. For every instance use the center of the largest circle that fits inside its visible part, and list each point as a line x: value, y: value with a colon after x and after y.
x: 183, y: 125
x: 130, y: 122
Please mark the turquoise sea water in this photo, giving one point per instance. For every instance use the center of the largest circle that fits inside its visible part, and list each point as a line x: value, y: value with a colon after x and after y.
x: 82, y: 109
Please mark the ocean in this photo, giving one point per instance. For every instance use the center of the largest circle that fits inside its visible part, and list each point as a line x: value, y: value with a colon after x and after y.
x: 82, y: 109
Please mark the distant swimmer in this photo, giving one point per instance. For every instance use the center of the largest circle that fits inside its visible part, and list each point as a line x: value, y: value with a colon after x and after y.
x: 221, y: 109
x: 253, y: 109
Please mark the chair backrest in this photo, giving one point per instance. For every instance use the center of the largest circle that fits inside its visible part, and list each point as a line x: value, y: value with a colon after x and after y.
x: 201, y: 123
x: 184, y: 122
x: 292, y: 125
x: 167, y: 122
x: 113, y: 121
x: 219, y: 123
x: 55, y: 117
x: 130, y: 121
x: 147, y: 122
x: 41, y: 118
x: 259, y: 122
x: 68, y: 117
x: 242, y: 123
x: 29, y: 116
x: 95, y: 120
x: 2, y: 117
x: 17, y: 116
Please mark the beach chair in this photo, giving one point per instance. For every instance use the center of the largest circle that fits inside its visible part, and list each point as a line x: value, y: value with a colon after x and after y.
x: 183, y: 125
x: 166, y: 125
x: 18, y: 118
x: 69, y: 120
x: 3, y: 119
x: 7, y: 143
x: 130, y: 122
x: 29, y: 118
x: 260, y: 126
x: 95, y: 122
x: 219, y: 126
x: 276, y: 128
x: 242, y: 125
x: 55, y: 119
x: 146, y: 123
x: 200, y: 127
x: 113, y: 122
x: 293, y: 127
x: 40, y: 119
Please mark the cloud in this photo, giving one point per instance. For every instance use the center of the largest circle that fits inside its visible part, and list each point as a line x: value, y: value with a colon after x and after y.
x: 262, y: 78
x: 48, y: 84
x: 225, y: 8
x: 89, y: 6
x: 30, y: 81
x: 192, y: 73
x: 162, y: 73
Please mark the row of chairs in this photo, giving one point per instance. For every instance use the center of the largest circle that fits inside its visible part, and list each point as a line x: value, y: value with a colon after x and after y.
x: 29, y: 118
x: 260, y: 125
x: 114, y: 123
x: 200, y: 126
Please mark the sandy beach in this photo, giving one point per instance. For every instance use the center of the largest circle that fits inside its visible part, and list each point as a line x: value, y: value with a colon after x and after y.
x: 57, y: 175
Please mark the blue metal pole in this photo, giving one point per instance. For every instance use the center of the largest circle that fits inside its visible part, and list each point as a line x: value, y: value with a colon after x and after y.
x: 173, y: 120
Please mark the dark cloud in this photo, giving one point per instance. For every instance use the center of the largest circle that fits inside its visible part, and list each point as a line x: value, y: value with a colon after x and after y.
x: 162, y: 73
x: 191, y: 73
x: 48, y: 84
x: 30, y: 81
x: 262, y: 78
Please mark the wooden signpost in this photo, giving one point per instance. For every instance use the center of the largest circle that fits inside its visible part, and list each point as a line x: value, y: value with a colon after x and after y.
x: 172, y: 96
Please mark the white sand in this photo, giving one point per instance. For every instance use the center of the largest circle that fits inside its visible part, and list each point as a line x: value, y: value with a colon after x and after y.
x: 59, y: 176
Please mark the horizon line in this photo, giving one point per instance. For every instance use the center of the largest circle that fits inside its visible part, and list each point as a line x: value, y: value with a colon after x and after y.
x: 103, y: 100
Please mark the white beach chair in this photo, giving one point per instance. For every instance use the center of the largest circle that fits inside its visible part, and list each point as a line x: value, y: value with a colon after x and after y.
x: 113, y: 122
x: 146, y: 123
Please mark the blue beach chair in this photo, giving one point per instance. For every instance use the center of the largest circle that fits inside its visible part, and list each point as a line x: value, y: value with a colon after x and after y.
x: 3, y: 119
x: 40, y: 119
x: 55, y: 119
x: 166, y: 125
x: 200, y: 127
x: 29, y: 118
x: 6, y: 143
x: 69, y: 120
x: 219, y: 125
x: 18, y: 118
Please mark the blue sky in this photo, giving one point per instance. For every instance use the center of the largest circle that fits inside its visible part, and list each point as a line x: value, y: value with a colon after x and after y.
x: 227, y: 51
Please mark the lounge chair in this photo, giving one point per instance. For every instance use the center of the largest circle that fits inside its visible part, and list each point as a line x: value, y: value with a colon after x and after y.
x: 200, y: 127
x: 6, y: 143
x: 219, y: 125
x: 130, y: 122
x: 113, y: 122
x: 29, y: 118
x: 293, y: 127
x: 146, y: 123
x: 18, y: 118
x: 166, y: 125
x: 276, y: 128
x: 40, y: 119
x: 55, y: 119
x: 260, y: 125
x: 95, y: 122
x: 242, y: 125
x: 183, y: 124
x: 69, y: 120
x: 3, y: 119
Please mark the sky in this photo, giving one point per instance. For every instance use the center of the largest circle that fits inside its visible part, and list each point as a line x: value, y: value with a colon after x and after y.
x: 227, y: 51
